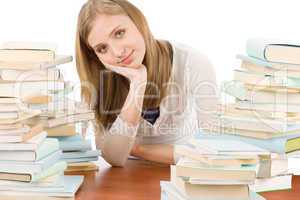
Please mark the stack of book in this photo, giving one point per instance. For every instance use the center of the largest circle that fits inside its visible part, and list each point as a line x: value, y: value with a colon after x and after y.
x: 214, y: 169
x: 266, y: 110
x: 64, y: 123
x: 30, y: 163
x: 41, y: 86
x: 78, y: 153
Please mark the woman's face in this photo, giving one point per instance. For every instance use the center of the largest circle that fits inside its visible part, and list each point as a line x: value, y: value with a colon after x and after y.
x: 117, y: 41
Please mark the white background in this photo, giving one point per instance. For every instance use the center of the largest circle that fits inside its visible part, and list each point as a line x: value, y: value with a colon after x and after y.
x: 217, y: 28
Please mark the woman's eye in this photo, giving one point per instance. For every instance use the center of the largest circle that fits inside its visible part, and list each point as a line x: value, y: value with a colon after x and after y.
x: 102, y: 49
x: 120, y: 33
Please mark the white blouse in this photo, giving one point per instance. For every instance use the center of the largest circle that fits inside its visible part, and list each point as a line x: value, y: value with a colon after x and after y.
x: 191, y: 101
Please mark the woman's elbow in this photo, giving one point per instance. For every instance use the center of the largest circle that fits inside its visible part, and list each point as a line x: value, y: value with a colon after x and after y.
x: 115, y: 162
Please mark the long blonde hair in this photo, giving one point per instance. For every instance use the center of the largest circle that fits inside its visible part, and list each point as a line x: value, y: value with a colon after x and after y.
x: 110, y: 91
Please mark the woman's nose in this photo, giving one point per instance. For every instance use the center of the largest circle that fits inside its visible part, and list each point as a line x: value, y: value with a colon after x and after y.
x: 118, y: 51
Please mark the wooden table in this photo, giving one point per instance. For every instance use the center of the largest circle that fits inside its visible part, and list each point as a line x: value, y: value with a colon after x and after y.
x: 139, y: 180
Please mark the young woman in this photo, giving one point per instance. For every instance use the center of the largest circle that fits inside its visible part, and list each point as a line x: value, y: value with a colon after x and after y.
x: 148, y: 94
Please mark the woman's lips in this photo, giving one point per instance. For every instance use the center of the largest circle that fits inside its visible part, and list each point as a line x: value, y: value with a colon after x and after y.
x: 128, y: 59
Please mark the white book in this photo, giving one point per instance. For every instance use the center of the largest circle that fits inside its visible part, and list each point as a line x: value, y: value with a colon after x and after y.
x: 9, y: 115
x: 270, y: 107
x: 30, y: 167
x: 29, y: 45
x: 71, y: 185
x: 20, y: 135
x: 29, y: 145
x: 51, y: 181
x: 195, y: 181
x: 59, y: 59
x: 29, y: 88
x: 170, y: 192
x: 33, y: 75
x: 9, y: 107
x: 9, y: 100
x: 56, y: 105
x: 26, y: 55
x: 48, y: 146
x: 11, y: 126
x: 281, y: 182
x: 53, y: 122
x: 17, y: 131
x: 260, y: 94
x: 22, y: 116
x: 258, y: 124
x: 226, y: 147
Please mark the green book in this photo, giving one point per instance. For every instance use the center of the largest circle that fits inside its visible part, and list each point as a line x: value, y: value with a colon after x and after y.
x: 48, y: 146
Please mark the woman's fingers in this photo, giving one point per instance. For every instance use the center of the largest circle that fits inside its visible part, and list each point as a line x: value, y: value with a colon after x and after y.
x: 130, y: 73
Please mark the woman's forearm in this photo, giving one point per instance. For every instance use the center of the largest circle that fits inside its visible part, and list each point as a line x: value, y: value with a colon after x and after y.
x: 132, y: 108
x: 116, y: 147
x: 162, y: 153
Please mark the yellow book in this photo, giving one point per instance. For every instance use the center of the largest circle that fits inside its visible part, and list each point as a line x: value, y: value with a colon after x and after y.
x: 292, y: 145
x: 63, y: 130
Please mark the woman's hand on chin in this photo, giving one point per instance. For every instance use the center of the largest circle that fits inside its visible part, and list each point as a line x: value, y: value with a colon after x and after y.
x: 138, y: 74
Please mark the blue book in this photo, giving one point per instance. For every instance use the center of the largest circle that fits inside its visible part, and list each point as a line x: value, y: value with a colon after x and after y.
x: 56, y: 168
x: 265, y: 63
x: 30, y: 167
x: 81, y: 154
x: 48, y: 146
x: 170, y: 192
x: 279, y: 51
x: 74, y: 143
x: 77, y: 160
x: 275, y: 145
x: 70, y: 187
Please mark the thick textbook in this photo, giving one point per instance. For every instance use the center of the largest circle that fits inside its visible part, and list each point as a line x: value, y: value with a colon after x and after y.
x: 170, y: 192
x: 274, y: 50
x: 33, y: 75
x: 281, y: 182
x: 266, y: 80
x: 22, y: 89
x: 48, y: 146
x: 62, y: 130
x: 71, y: 185
x: 26, y: 55
x: 59, y: 59
x: 72, y: 118
x: 74, y: 143
x: 30, y: 145
x: 260, y: 68
x: 191, y: 169
x: 20, y: 135
x: 257, y: 94
x: 56, y: 168
x: 22, y: 116
x: 214, y: 145
x: 239, y: 191
x: 30, y: 167
x: 216, y: 160
x: 269, y: 107
x: 278, y: 145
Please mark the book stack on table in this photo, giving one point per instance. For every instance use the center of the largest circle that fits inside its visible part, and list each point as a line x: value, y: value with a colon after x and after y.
x: 266, y: 111
x: 30, y: 163
x: 214, y: 169
x: 78, y: 153
x: 265, y: 114
x: 45, y: 90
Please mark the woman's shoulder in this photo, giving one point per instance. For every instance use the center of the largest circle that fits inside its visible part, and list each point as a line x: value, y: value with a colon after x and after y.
x: 189, y: 58
x: 185, y: 54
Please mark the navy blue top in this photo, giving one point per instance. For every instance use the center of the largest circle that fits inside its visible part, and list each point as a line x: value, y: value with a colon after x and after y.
x: 151, y: 114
